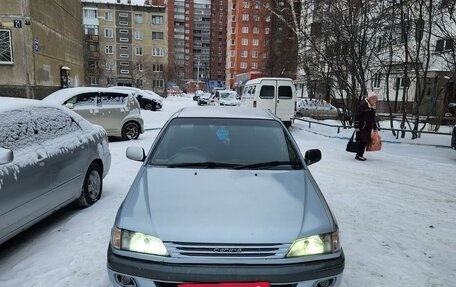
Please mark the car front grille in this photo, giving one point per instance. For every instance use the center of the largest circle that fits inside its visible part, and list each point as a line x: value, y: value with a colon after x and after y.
x: 227, y: 250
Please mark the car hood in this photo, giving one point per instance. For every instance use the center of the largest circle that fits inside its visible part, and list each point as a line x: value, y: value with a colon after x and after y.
x: 243, y: 206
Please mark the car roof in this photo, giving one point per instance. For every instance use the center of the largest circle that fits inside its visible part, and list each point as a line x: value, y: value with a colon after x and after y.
x: 259, y: 80
x: 11, y: 103
x: 224, y: 112
x: 62, y: 95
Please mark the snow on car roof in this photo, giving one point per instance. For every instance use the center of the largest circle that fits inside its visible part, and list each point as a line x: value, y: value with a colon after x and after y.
x: 60, y: 96
x: 11, y: 103
x: 224, y: 112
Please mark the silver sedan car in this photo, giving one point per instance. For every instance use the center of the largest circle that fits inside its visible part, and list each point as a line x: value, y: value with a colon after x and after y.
x: 224, y: 198
x: 49, y: 157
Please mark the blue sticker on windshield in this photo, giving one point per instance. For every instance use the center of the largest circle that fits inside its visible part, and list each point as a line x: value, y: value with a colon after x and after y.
x: 222, y: 134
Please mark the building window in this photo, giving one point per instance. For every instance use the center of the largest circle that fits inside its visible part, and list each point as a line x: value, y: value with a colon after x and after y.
x: 266, y: 31
x: 243, y: 65
x: 93, y: 81
x: 255, y: 42
x: 246, y: 4
x: 256, y: 18
x: 123, y: 48
x: 109, y: 33
x: 256, y: 30
x: 109, y: 66
x: 158, y: 52
x: 157, y: 36
x: 125, y: 64
x: 138, y: 19
x: 138, y: 51
x: 376, y: 80
x: 244, y: 54
x: 139, y: 35
x: 245, y: 30
x: 158, y: 83
x: 139, y: 67
x: 108, y: 16
x: 245, y: 42
x: 125, y: 40
x: 123, y: 31
x: 124, y: 15
x: 254, y: 66
x: 123, y: 23
x: 90, y: 30
x: 125, y: 71
x: 254, y: 54
x: 245, y: 17
x: 444, y: 45
x: 157, y: 20
x: 157, y: 68
x: 109, y: 49
x: 124, y: 55
x: 90, y: 13
x: 6, y: 51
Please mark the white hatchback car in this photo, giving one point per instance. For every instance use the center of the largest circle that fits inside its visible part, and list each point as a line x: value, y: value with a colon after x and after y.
x: 118, y: 112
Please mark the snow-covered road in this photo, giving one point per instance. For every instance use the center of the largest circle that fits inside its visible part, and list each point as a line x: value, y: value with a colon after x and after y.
x: 396, y: 213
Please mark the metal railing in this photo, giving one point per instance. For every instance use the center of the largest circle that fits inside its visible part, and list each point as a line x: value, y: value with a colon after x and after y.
x: 380, y: 128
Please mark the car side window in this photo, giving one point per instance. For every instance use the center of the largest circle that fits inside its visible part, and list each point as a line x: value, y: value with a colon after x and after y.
x: 285, y: 92
x: 25, y: 127
x: 84, y: 99
x: 113, y: 98
x: 267, y: 92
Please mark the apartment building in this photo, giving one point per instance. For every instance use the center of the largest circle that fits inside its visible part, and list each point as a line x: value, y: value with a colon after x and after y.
x: 126, y: 44
x: 248, y: 31
x: 191, y: 40
x: 41, y: 47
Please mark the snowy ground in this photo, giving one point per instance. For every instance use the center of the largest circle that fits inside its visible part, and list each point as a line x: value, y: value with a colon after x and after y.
x: 396, y: 213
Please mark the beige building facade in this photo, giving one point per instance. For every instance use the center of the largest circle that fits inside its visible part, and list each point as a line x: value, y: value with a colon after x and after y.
x: 126, y: 45
x: 40, y: 41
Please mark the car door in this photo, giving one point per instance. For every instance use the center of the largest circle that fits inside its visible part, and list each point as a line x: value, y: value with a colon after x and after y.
x: 68, y: 156
x: 26, y: 179
x: 285, y: 103
x: 86, y: 105
x: 266, y: 95
x: 113, y: 110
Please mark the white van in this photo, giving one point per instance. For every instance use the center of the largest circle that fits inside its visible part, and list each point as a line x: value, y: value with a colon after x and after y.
x: 275, y: 94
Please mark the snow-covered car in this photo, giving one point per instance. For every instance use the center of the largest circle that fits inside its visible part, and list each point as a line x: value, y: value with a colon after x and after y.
x: 49, y: 158
x: 315, y: 108
x: 147, y: 99
x: 204, y: 99
x: 227, y: 98
x: 117, y: 111
x: 224, y: 196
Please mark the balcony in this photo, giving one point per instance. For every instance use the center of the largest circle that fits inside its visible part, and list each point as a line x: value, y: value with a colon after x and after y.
x: 92, y: 38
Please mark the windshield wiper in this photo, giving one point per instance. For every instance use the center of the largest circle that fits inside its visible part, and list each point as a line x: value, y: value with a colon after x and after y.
x: 269, y: 164
x: 207, y: 164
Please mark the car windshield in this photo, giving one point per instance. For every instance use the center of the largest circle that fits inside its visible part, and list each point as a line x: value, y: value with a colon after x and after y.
x: 225, y: 143
x: 227, y: 96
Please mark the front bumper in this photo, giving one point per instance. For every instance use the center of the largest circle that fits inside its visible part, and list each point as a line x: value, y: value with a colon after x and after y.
x: 212, y: 273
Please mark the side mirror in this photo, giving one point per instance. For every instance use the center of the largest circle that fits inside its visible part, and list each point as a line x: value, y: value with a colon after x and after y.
x: 6, y: 156
x: 69, y: 105
x: 312, y: 156
x: 135, y: 153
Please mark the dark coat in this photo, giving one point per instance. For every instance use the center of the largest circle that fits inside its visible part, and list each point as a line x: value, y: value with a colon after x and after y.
x: 365, y: 122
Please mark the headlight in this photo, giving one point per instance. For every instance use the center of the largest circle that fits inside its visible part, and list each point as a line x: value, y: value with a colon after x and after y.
x: 137, y: 242
x: 316, y: 244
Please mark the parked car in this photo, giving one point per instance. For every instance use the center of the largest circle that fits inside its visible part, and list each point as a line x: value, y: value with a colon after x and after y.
x: 116, y: 111
x: 275, y: 94
x: 49, y: 158
x: 453, y: 138
x: 225, y: 196
x: 148, y: 100
x: 203, y: 99
x: 227, y: 98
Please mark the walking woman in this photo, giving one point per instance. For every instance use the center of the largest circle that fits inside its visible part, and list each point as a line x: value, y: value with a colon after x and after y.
x: 365, y: 123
